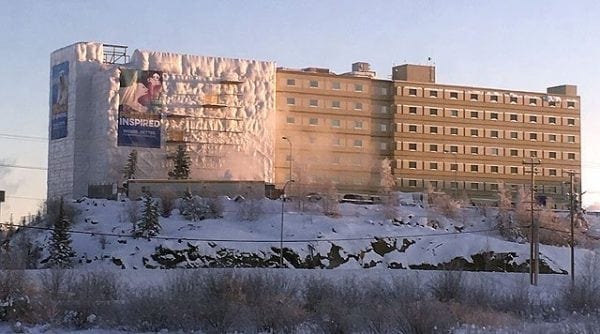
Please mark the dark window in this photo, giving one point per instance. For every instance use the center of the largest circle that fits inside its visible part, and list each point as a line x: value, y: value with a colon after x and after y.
x: 453, y: 95
x: 412, y: 91
x: 412, y: 110
x: 474, y: 97
x: 494, y: 98
x: 412, y: 164
x: 433, y: 93
x: 513, y: 99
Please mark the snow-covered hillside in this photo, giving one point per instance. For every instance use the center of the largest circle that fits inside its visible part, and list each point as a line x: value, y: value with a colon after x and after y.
x: 360, y: 237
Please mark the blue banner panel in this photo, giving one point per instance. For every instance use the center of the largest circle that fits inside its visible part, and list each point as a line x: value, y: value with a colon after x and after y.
x: 139, y: 108
x: 59, y: 100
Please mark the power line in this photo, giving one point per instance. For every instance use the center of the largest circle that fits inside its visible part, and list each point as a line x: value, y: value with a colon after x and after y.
x: 31, y: 198
x: 22, y: 167
x: 250, y: 240
x: 10, y: 136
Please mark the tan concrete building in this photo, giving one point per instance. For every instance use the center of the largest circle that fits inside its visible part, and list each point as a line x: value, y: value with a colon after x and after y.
x: 460, y: 139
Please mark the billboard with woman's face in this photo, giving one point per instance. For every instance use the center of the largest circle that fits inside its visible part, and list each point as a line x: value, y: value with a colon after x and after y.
x: 59, y: 100
x: 139, y: 108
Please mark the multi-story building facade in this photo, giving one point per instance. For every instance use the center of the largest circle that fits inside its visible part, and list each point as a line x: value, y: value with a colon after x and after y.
x: 460, y: 139
x: 232, y: 115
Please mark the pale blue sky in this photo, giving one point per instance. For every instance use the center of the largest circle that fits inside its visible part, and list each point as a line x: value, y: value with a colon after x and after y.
x: 521, y: 45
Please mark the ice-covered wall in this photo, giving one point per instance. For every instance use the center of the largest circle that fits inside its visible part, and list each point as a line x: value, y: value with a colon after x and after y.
x: 221, y: 109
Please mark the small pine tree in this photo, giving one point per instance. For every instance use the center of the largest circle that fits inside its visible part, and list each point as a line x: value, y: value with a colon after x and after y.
x: 148, y: 225
x: 181, y: 168
x: 388, y: 181
x: 131, y: 166
x: 60, y: 241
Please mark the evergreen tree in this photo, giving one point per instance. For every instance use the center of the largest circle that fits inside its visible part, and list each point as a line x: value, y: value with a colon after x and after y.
x: 181, y: 168
x: 148, y: 225
x: 60, y: 241
x: 131, y: 166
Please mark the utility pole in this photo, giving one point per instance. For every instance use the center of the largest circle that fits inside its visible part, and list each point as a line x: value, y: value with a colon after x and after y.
x: 534, y: 241
x: 572, y: 214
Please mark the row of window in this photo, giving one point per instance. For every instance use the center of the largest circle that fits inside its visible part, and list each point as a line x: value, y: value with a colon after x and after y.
x: 337, y: 85
x: 491, y: 151
x: 478, y: 96
x: 489, y: 133
x: 487, y: 115
x: 338, y: 123
x: 474, y: 168
x: 336, y: 104
x: 490, y: 186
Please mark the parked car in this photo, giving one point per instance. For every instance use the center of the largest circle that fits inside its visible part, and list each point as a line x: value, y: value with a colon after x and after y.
x: 356, y: 199
x: 313, y: 197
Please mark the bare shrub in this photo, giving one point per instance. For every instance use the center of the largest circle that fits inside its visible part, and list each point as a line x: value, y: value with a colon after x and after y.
x: 330, y: 202
x: 15, y: 292
x: 505, y: 223
x: 147, y: 310
x: 54, y: 286
x: 216, y: 206
x: 221, y: 309
x: 429, y: 316
x: 251, y: 208
x: 523, y: 207
x: 553, y: 230
x: 584, y: 296
x: 131, y: 211
x: 448, y: 285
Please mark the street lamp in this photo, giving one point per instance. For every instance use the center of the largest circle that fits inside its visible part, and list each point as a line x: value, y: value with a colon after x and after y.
x: 454, y: 170
x: 281, y: 236
x: 289, y: 142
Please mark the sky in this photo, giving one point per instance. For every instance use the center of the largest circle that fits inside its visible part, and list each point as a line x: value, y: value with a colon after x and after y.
x: 511, y: 44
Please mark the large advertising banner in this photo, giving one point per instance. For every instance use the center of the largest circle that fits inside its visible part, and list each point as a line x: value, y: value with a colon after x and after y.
x: 59, y: 100
x: 139, y: 108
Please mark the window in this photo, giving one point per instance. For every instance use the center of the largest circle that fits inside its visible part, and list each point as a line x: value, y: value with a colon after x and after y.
x: 412, y: 164
x: 552, y: 172
x: 532, y: 101
x: 552, y: 138
x: 313, y: 121
x: 336, y: 85
x: 552, y: 155
x: 474, y: 168
x: 454, y: 131
x: 291, y: 101
x: 412, y: 91
x: 474, y: 114
x: 494, y: 98
x: 571, y: 156
x: 312, y: 140
x: 358, y: 124
x: 533, y: 136
x: 383, y: 109
x: 412, y: 183
x: 474, y: 150
x: 514, y: 135
x: 313, y: 103
x: 433, y: 129
x: 412, y: 110
x: 412, y: 146
x: 335, y: 123
x: 532, y: 119
x: 358, y: 143
x: 453, y: 167
x: 433, y: 93
x: 552, y: 103
x: 454, y: 113
x: 412, y: 128
x: 358, y: 106
x: 494, y: 186
x: 337, y: 141
x: 571, y: 139
x: 533, y: 154
x: 291, y: 82
x: 454, y: 95
x: 314, y: 84
x: 570, y: 104
x: 514, y: 117
x: 335, y: 104
x: 434, y: 184
x: 513, y: 99
x: 433, y: 112
x: 494, y: 151
x: 570, y: 121
x: 358, y: 87
x: 383, y: 146
x: 290, y: 120
x: 474, y: 97
x: 494, y: 115
x: 433, y: 165
x: 474, y: 186
x: 383, y: 91
x: 383, y: 127
x: 433, y: 148
x: 474, y: 132
x: 453, y: 149
x: 494, y: 169
x: 454, y: 185
x: 514, y: 170
x: 494, y: 133
x: 514, y: 153
x: 551, y: 120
